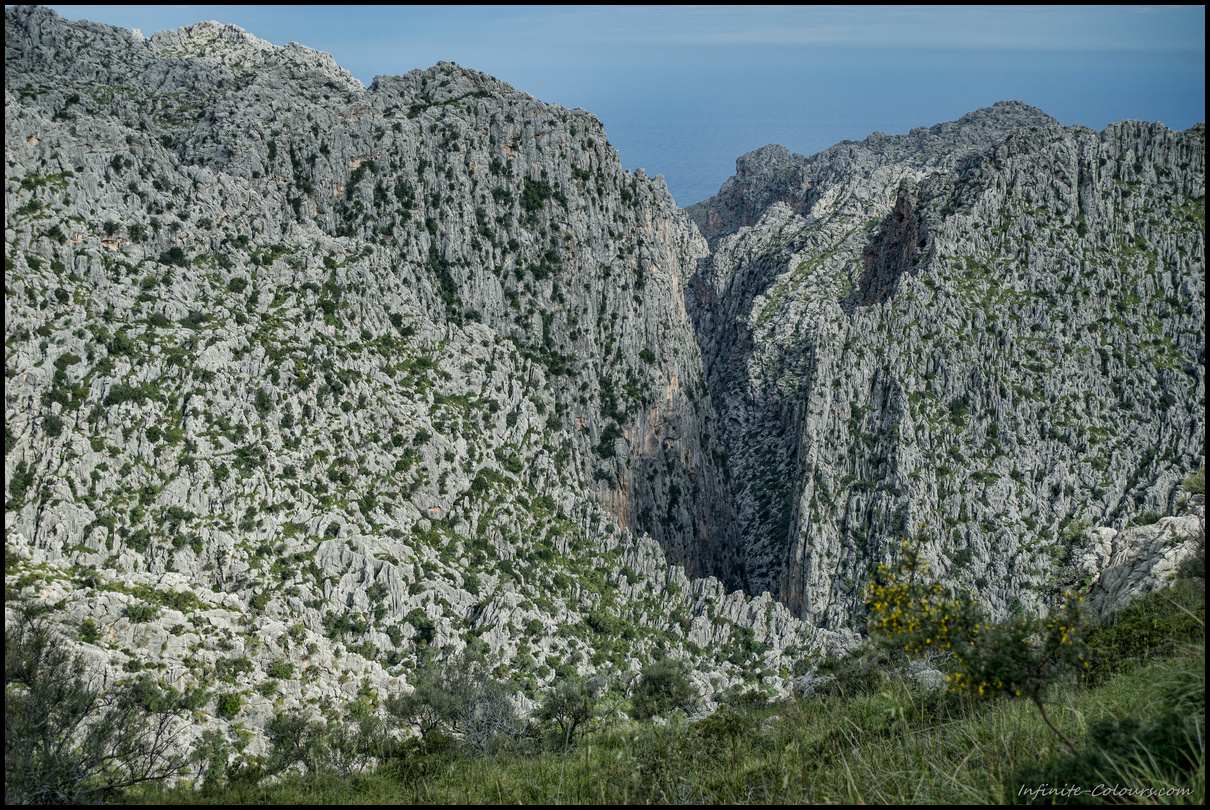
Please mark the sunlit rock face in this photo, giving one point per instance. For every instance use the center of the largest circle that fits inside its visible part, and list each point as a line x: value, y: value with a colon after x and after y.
x: 304, y: 372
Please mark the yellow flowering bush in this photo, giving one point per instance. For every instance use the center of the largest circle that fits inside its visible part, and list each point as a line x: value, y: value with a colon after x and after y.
x: 1020, y: 657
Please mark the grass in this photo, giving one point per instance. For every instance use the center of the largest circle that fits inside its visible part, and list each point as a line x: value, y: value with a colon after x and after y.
x: 895, y: 743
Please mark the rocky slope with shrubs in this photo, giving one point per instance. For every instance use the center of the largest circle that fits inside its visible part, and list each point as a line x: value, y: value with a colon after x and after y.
x: 989, y: 333
x: 305, y: 379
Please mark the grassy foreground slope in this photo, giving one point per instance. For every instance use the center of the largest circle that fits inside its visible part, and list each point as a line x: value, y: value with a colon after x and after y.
x: 871, y: 735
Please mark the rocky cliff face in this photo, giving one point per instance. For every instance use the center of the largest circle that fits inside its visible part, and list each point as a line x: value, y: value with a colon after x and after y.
x: 306, y: 372
x: 477, y: 204
x: 979, y: 333
x: 298, y: 368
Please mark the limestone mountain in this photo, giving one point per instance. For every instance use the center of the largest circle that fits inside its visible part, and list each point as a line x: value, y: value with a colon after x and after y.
x: 305, y: 377
x: 302, y: 371
x: 990, y: 332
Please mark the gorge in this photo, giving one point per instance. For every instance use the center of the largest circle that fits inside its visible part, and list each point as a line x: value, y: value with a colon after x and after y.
x: 300, y: 370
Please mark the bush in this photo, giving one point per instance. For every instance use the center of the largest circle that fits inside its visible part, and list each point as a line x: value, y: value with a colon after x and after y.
x: 262, y: 401
x: 663, y: 686
x: 52, y: 424
x: 22, y: 480
x: 140, y: 612
x: 281, y: 668
x: 126, y: 392
x: 1194, y: 566
x: 66, y: 741
x: 858, y: 673
x: 195, y: 319
x: 1196, y: 482
x: 174, y: 255
x: 229, y: 705
x: 460, y: 699
x: 294, y: 739
x: 122, y: 345
x: 1021, y: 657
x: 535, y: 193
x: 1155, y: 623
x: 571, y: 705
x: 339, y: 747
x: 1117, y: 753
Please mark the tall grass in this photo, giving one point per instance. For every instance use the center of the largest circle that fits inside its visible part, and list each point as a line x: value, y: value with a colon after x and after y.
x: 892, y: 742
x: 896, y: 745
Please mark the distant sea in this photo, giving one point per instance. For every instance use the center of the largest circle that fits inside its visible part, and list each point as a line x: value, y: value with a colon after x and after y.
x: 689, y: 122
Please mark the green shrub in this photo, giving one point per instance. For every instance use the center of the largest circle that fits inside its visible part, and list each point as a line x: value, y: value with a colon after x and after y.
x: 281, y: 668
x: 1196, y: 482
x: 460, y: 699
x: 1021, y: 657
x: 1155, y: 623
x: 571, y: 705
x: 140, y: 612
x: 339, y: 748
x: 605, y: 447
x: 66, y: 360
x: 22, y: 480
x: 175, y: 256
x: 229, y: 705
x: 856, y: 674
x: 52, y: 424
x: 1116, y: 752
x: 89, y: 632
x: 294, y: 738
x: 535, y: 193
x: 194, y: 319
x: 1193, y: 567
x: 724, y: 725
x: 122, y: 345
x: 139, y: 540
x: 662, y: 687
x: 127, y: 392
x: 262, y: 401
x: 228, y: 669
x: 426, y: 630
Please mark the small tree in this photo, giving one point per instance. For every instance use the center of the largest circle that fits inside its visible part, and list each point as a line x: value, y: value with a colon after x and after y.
x: 68, y: 742
x: 460, y: 698
x: 338, y: 746
x: 434, y: 702
x: 571, y: 705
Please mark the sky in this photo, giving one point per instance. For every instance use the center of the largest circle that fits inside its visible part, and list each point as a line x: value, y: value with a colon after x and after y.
x: 684, y: 91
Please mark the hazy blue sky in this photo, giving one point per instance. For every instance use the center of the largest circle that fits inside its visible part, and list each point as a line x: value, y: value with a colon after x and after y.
x: 684, y: 91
